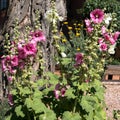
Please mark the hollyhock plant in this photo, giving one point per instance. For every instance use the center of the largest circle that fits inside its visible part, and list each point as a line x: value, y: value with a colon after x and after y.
x: 97, y: 16
x: 38, y: 36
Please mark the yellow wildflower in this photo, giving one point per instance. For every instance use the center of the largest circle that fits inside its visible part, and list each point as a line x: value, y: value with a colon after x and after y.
x: 78, y: 49
x: 79, y: 24
x: 65, y: 23
x: 64, y: 40
x: 77, y: 34
x: 74, y: 24
x: 70, y: 28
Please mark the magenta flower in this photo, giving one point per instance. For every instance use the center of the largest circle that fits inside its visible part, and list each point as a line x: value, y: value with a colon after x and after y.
x: 57, y: 94
x: 87, y: 22
x: 78, y: 59
x: 116, y: 35
x: 38, y: 36
x: 89, y: 29
x: 30, y: 49
x: 97, y: 16
x: 21, y: 53
x: 109, y: 38
x: 103, y: 46
x: 59, y: 91
x: 6, y: 63
x: 4, y: 67
x: 9, y: 78
x: 14, y: 60
x: 103, y: 29
x: 100, y: 40
x: 63, y: 90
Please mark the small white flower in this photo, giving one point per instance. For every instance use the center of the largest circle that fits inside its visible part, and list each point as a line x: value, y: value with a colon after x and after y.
x: 108, y: 18
x: 63, y: 54
x: 111, y: 50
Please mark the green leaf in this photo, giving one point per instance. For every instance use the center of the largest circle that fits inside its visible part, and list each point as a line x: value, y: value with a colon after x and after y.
x: 83, y: 87
x: 87, y: 103
x: 66, y: 61
x: 69, y: 93
x: 19, y: 111
x: 38, y: 106
x: 28, y: 103
x: 71, y: 116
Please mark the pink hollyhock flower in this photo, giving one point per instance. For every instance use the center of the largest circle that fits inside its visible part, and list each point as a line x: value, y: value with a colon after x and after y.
x: 109, y: 38
x: 116, y: 35
x: 57, y: 94
x: 4, y: 67
x: 78, y: 59
x: 87, y: 22
x: 9, y: 78
x: 100, y: 40
x: 89, y: 29
x: 6, y: 63
x: 103, y: 47
x: 10, y: 99
x: 38, y: 36
x: 12, y: 70
x: 97, y: 16
x: 21, y: 53
x: 14, y: 61
x: 112, y: 40
x: 63, y: 90
x: 30, y: 49
x: 87, y: 80
x: 57, y: 91
x: 103, y: 29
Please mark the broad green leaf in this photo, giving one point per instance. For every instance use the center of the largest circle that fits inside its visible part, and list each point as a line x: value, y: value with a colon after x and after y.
x: 28, y: 103
x: 38, y: 106
x: 71, y: 116
x: 69, y: 93
x: 19, y: 111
